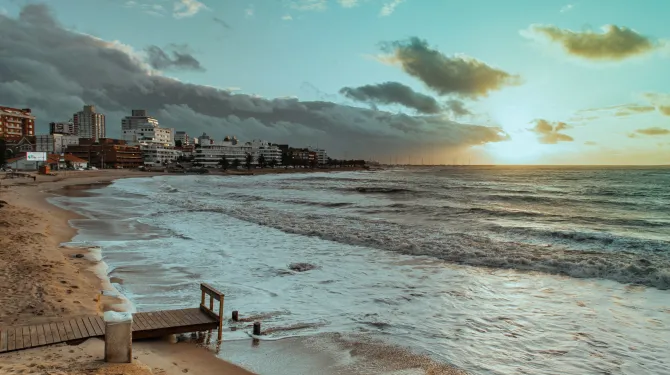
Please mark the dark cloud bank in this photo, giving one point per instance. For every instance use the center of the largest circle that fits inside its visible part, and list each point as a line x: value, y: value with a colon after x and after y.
x: 56, y: 71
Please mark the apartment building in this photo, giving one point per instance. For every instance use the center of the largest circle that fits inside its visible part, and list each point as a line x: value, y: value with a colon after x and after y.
x: 89, y: 123
x: 16, y: 123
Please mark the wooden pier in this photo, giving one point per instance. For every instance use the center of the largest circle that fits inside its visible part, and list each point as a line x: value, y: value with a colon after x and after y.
x: 145, y: 325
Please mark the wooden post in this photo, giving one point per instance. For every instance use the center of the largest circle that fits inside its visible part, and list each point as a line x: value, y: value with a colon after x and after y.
x: 202, y: 299
x: 220, y: 317
x: 257, y: 328
x: 236, y: 316
x: 211, y: 303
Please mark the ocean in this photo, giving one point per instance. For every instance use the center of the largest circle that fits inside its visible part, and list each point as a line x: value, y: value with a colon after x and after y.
x: 496, y: 270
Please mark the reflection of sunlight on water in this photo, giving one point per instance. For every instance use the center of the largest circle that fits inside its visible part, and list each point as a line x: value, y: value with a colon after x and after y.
x: 487, y: 321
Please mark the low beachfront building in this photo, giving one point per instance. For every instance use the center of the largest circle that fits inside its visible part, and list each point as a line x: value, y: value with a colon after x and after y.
x: 321, y: 155
x: 210, y: 154
x: 54, y: 143
x: 55, y: 161
x: 267, y: 150
x: 156, y: 154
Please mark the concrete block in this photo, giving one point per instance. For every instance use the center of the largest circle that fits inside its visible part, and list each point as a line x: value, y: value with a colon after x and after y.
x: 118, y: 337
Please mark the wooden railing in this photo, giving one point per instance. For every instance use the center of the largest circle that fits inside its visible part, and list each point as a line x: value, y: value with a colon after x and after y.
x: 213, y: 295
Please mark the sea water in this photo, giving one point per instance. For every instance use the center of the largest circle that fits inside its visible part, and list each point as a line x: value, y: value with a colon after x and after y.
x: 496, y: 270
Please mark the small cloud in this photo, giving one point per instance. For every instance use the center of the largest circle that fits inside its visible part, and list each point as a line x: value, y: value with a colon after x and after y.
x: 653, y: 131
x: 348, y: 3
x: 389, y: 8
x: 250, y: 11
x: 660, y: 101
x: 550, y: 133
x: 221, y: 22
x: 155, y: 10
x: 614, y: 43
x: 287, y: 17
x: 590, y: 143
x: 459, y: 75
x: 175, y: 57
x: 566, y: 8
x: 309, y: 5
x: 393, y: 93
x: 631, y: 135
x: 457, y: 108
x: 187, y: 8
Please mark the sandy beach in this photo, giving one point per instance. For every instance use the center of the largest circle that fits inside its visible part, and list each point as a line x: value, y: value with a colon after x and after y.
x: 43, y: 281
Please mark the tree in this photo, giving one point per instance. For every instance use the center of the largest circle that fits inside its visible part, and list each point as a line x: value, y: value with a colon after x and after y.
x: 272, y: 163
x: 224, y: 163
x: 248, y: 160
x: 177, y: 143
x: 285, y: 159
x: 236, y: 163
x: 261, y: 160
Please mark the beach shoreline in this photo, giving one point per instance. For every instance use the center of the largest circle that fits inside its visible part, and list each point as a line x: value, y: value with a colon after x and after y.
x: 46, y: 281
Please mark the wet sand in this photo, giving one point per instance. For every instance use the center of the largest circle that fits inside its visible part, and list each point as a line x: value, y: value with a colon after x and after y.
x: 42, y: 281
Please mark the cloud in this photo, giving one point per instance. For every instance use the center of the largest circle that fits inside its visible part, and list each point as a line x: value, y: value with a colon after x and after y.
x: 590, y: 143
x: 457, y: 108
x: 550, y: 133
x: 177, y: 58
x: 660, y: 101
x: 389, y: 8
x: 653, y: 131
x: 38, y: 72
x: 187, y: 8
x: 287, y: 17
x: 156, y: 10
x: 348, y: 3
x: 566, y: 8
x: 458, y: 75
x: 309, y: 5
x: 613, y: 44
x: 221, y: 22
x: 393, y: 93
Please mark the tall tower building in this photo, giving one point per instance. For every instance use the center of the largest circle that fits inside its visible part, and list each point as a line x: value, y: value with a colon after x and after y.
x: 138, y: 119
x: 89, y: 123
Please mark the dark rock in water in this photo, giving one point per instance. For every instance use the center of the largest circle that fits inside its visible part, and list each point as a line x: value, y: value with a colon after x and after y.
x: 301, y: 267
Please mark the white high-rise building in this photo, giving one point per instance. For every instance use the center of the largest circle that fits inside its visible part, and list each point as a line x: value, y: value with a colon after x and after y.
x: 140, y: 128
x: 138, y: 119
x: 210, y: 153
x: 148, y: 135
x: 89, y: 123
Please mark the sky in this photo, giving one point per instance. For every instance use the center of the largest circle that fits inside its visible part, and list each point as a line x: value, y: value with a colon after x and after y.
x: 426, y: 81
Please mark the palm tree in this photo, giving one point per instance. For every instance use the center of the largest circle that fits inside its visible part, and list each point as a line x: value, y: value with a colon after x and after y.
x: 236, y: 163
x: 248, y: 160
x: 224, y: 163
x: 261, y: 160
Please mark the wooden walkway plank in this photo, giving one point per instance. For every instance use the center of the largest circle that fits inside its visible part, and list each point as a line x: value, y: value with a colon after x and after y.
x: 11, y: 339
x: 82, y: 327
x: 89, y: 327
x: 75, y: 329
x: 98, y: 325
x: 41, y: 336
x: 3, y: 341
x: 192, y: 315
x: 159, y: 315
x: 153, y: 322
x: 55, y: 333
x: 138, y: 324
x: 175, y: 317
x: 61, y: 331
x: 48, y: 336
x: 23, y: 338
x: 33, y: 337
x: 172, y: 322
x: 144, y: 320
x: 69, y: 332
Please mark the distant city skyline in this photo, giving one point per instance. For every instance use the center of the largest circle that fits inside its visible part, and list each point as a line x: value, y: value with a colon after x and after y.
x: 489, y: 82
